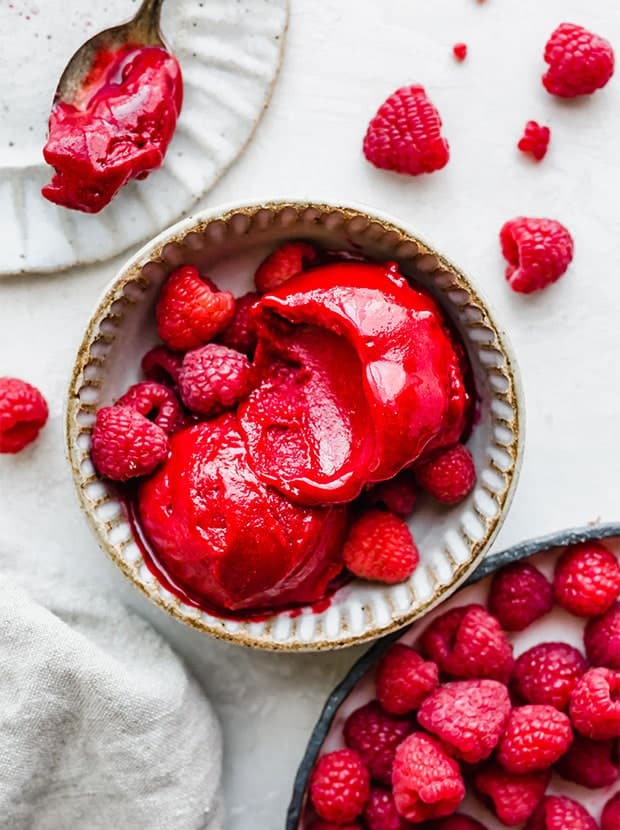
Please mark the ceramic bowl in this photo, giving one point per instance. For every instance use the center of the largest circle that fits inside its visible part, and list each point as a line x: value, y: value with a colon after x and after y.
x: 357, y: 688
x: 228, y: 243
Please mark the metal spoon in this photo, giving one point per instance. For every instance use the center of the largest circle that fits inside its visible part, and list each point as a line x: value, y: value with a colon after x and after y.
x: 141, y: 30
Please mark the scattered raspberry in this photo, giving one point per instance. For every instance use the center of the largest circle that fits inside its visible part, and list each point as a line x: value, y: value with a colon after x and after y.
x: 459, y: 50
x: 468, y: 642
x: 125, y: 444
x: 404, y: 679
x: 513, y: 798
x: 610, y: 817
x: 587, y: 579
x: 426, y: 782
x: 339, y: 786
x: 405, y: 134
x: 23, y: 413
x: 467, y: 716
x: 448, y: 475
x: 240, y: 333
x: 214, y: 378
x: 602, y: 639
x: 590, y: 763
x: 380, y: 547
x: 547, y: 673
x: 538, y: 252
x: 156, y: 402
x: 580, y: 62
x: 380, y: 812
x: 519, y: 594
x: 534, y: 739
x: 560, y: 813
x: 535, y: 140
x: 459, y: 821
x: 595, y: 704
x: 189, y: 312
x: 285, y: 262
x: 374, y: 735
x: 398, y: 494
x: 162, y: 366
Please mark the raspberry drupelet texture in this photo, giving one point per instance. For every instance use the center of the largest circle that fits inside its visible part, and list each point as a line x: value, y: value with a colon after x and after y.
x: 602, y: 639
x: 595, y: 704
x: 590, y: 763
x: 547, y: 674
x: 535, y: 140
x: 156, y: 402
x: 380, y: 812
x: 535, y: 738
x: 459, y: 821
x: 513, y: 798
x: 459, y: 50
x: 448, y: 475
x: 610, y: 817
x: 214, y: 378
x: 538, y: 252
x: 580, y: 62
x: 374, y: 735
x: 405, y: 134
x: 286, y: 261
x: 398, y: 494
x: 587, y: 579
x: 162, y: 365
x: 332, y: 825
x: 560, y: 813
x: 404, y: 679
x: 339, y: 786
x: 519, y: 595
x: 125, y: 444
x: 240, y: 333
x: 380, y: 547
x: 23, y: 414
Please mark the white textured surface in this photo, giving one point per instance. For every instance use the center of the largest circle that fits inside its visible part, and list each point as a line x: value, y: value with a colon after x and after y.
x: 341, y: 59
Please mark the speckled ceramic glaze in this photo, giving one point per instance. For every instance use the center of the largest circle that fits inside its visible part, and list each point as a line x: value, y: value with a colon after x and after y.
x: 228, y: 243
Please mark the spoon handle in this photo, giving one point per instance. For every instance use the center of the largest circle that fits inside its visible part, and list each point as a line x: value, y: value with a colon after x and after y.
x: 147, y: 16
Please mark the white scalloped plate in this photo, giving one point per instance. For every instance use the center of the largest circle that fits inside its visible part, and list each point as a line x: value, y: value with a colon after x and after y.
x: 230, y: 53
x: 228, y: 243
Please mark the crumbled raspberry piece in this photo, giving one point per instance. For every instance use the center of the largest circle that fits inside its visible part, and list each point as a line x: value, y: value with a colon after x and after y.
x: 535, y: 140
x: 405, y: 134
x: 240, y: 333
x: 459, y: 821
x: 547, y: 673
x: 374, y: 735
x: 448, y: 475
x: 580, y: 62
x: 23, y: 413
x: 534, y: 738
x: 214, y: 378
x: 519, y: 594
x: 162, y: 366
x: 560, y: 813
x: 339, y: 786
x: 610, y: 817
x: 125, y: 444
x: 589, y: 763
x: 538, y: 252
x: 468, y: 717
x: 189, y: 312
x: 156, y: 402
x: 459, y: 50
x: 380, y: 812
x: 595, y: 704
x: 468, y: 642
x: 380, y: 547
x: 587, y: 579
x: 398, y: 494
x: 285, y: 262
x: 404, y: 679
x: 602, y: 639
x: 426, y: 782
x: 513, y: 798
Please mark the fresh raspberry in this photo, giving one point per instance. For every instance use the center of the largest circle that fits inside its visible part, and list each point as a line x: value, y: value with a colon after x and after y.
x: 459, y: 821
x: 534, y: 738
x: 162, y: 366
x: 374, y: 735
x: 125, y: 444
x: 405, y: 134
x: 240, y: 333
x: 380, y: 547
x: 285, y: 262
x: 580, y: 62
x: 468, y: 642
x: 519, y: 594
x: 467, y: 716
x: 339, y: 786
x: 23, y: 413
x: 189, y: 312
x: 398, y: 494
x: 538, y: 252
x: 595, y: 704
x: 560, y: 813
x: 156, y: 402
x: 602, y: 639
x: 448, y: 475
x: 535, y: 140
x: 587, y: 579
x: 513, y: 798
x: 610, y: 817
x: 547, y: 673
x: 331, y: 825
x: 426, y: 782
x: 380, y: 812
x: 459, y: 50
x: 214, y: 378
x: 404, y: 679
x: 589, y: 763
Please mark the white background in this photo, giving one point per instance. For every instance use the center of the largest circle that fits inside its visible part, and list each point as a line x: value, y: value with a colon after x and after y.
x: 343, y: 57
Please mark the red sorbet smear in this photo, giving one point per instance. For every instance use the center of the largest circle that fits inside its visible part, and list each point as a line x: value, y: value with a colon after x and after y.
x: 118, y: 127
x: 359, y: 377
x: 220, y: 532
